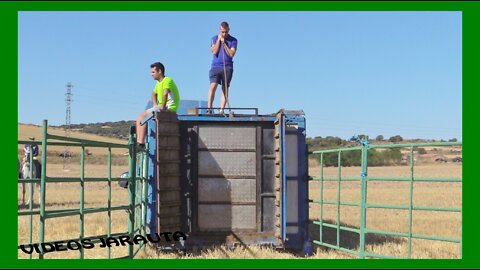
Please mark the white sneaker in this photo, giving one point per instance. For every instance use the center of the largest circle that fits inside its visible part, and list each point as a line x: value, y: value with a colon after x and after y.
x: 220, y: 111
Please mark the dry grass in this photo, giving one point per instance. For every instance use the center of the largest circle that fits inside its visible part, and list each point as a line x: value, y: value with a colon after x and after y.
x: 66, y: 196
x: 431, y: 223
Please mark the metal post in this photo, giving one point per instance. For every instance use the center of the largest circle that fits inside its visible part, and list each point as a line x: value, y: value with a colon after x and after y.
x: 144, y: 189
x: 30, y: 195
x: 338, y: 196
x: 82, y: 197
x: 410, y: 207
x: 321, y: 198
x: 43, y: 187
x: 363, y: 209
x: 109, y: 198
x: 131, y: 192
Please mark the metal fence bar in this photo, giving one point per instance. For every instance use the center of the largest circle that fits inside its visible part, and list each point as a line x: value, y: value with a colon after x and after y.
x: 131, y: 191
x: 379, y: 178
x: 145, y: 190
x: 109, y: 199
x: 406, y: 207
x: 334, y: 226
x: 338, y: 195
x: 30, y: 195
x: 321, y: 197
x: 72, y: 212
x: 335, y: 179
x: 417, y: 236
x: 363, y: 194
x: 364, y: 205
x: 75, y: 179
x: 337, y: 150
x: 43, y: 188
x: 407, y: 179
x: 334, y: 202
x: 404, y: 145
x: 82, y: 197
x: 84, y: 142
x: 82, y: 211
x: 410, y: 207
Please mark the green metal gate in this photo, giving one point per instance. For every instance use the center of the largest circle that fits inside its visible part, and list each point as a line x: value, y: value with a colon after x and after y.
x: 137, y: 193
x: 363, y: 204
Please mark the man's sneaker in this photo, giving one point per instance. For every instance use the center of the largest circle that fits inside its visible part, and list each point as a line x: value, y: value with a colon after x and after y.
x: 208, y: 111
x: 220, y: 111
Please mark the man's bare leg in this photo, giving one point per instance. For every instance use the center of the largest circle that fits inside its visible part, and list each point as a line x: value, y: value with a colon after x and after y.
x: 141, y: 130
x: 211, y: 94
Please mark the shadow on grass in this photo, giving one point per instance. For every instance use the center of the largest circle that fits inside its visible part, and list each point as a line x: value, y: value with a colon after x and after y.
x: 347, y: 239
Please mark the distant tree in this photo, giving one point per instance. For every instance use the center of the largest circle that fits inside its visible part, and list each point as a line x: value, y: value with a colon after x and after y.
x: 453, y: 140
x: 379, y: 138
x: 396, y: 138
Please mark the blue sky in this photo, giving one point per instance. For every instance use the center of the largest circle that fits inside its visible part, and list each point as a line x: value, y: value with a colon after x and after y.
x: 374, y: 73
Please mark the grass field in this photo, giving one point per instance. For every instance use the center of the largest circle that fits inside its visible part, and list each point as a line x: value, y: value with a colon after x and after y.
x: 67, y: 196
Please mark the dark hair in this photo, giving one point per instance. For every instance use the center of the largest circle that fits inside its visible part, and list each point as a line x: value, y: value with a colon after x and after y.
x: 158, y: 66
x: 225, y: 25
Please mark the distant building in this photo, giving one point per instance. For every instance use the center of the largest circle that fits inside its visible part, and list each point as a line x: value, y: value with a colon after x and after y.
x: 185, y: 105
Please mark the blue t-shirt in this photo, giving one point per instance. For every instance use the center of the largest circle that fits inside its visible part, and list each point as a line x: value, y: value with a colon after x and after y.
x: 218, y: 58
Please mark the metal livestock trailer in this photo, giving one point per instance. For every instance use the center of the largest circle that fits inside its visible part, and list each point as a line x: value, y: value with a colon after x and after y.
x: 234, y: 179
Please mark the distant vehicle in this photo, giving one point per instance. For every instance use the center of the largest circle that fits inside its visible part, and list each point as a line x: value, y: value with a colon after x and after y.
x: 441, y: 160
x: 457, y: 159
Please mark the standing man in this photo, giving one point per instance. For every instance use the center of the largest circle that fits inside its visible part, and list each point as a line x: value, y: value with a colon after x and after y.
x: 223, y: 49
x: 165, y: 97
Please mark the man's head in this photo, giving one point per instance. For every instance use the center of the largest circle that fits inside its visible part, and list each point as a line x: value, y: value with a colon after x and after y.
x: 224, y: 29
x: 158, y: 70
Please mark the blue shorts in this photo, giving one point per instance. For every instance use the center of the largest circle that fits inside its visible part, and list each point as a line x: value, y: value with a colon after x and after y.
x: 217, y: 76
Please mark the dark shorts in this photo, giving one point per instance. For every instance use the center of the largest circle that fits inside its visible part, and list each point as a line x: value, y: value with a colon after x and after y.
x: 217, y: 76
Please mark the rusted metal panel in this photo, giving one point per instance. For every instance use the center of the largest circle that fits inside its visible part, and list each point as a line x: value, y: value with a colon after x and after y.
x: 226, y: 137
x: 229, y: 172
x: 227, y: 163
x: 225, y: 217
x: 226, y: 190
x: 168, y: 172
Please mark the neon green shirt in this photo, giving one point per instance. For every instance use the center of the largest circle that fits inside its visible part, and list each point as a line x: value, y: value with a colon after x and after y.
x: 173, y: 98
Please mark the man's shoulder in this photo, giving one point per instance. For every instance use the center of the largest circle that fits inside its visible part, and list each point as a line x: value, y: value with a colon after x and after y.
x: 167, y: 79
x: 232, y: 38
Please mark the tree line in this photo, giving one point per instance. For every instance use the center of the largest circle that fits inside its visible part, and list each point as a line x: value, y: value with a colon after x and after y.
x: 119, y: 129
x: 383, y: 157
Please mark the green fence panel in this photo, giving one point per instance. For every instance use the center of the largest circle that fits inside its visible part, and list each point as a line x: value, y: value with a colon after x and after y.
x: 137, y: 194
x: 363, y: 205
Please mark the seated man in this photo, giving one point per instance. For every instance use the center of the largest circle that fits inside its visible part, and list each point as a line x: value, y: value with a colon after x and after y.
x: 165, y: 97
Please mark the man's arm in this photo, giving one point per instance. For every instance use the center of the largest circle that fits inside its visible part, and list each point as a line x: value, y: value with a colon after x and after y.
x: 154, y: 99
x: 216, y: 46
x: 230, y: 51
x: 163, y: 107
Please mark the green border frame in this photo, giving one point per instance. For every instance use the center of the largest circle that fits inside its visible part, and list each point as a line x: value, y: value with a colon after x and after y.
x: 9, y: 69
